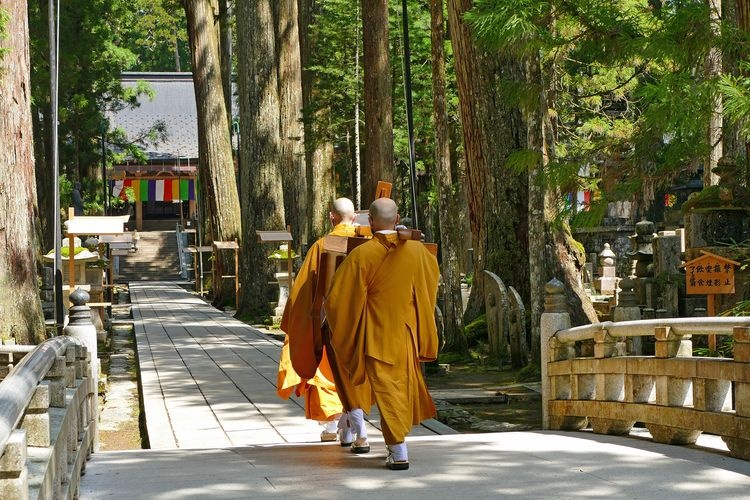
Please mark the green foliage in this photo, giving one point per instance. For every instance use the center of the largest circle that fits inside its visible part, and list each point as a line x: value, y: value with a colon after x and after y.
x: 336, y: 36
x: 153, y: 30
x: 529, y: 373
x: 4, y: 18
x: 724, y: 349
x: 453, y: 357
x: 65, y: 250
x: 90, y: 63
x: 628, y: 96
x: 736, y: 91
x: 476, y: 331
x: 280, y: 254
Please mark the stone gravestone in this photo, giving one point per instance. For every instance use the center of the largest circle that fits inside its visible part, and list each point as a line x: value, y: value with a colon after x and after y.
x: 642, y: 257
x: 497, y: 312
x: 627, y: 310
x: 519, y: 349
x: 607, y: 271
x: 667, y: 261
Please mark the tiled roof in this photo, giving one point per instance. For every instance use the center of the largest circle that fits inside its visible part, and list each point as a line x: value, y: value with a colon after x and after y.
x: 174, y: 104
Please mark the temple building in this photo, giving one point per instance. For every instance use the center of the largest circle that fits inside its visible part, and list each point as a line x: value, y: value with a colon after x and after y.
x: 164, y: 185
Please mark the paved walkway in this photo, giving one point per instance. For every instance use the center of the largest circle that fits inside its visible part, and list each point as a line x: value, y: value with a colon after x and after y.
x: 218, y: 430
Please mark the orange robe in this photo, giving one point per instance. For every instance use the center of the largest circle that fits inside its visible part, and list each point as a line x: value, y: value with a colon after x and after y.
x: 381, y: 311
x: 298, y: 353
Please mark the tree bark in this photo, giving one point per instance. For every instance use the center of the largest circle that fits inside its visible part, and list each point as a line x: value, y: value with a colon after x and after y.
x: 218, y: 183
x: 378, y: 162
x: 318, y: 149
x: 20, y: 306
x: 713, y: 71
x: 450, y: 236
x: 293, y: 167
x: 225, y: 47
x: 497, y: 196
x: 262, y: 200
x: 735, y: 145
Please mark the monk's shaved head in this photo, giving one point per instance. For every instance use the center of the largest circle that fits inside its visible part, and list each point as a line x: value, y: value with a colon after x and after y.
x: 383, y: 214
x: 342, y: 211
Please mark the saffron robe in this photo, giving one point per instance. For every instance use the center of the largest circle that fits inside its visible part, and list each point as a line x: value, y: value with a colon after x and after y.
x: 381, y: 312
x: 298, y: 352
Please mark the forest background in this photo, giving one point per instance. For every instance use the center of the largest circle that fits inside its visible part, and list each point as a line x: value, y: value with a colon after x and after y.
x: 518, y: 105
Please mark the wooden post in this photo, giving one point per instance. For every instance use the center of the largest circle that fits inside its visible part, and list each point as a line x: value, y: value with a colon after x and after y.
x: 711, y: 311
x: 289, y: 266
x: 139, y: 215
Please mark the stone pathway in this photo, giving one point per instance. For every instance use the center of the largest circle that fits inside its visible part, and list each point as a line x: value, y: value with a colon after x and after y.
x: 209, y: 380
x: 218, y: 431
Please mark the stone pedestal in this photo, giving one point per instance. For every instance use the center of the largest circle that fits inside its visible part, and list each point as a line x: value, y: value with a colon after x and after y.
x: 283, y: 280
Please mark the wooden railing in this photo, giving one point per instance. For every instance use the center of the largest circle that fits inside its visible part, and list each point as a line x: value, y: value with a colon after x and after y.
x: 48, y: 422
x: 675, y: 395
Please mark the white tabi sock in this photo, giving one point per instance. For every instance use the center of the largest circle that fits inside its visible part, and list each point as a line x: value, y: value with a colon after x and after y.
x: 399, y: 452
x: 330, y: 425
x: 357, y: 422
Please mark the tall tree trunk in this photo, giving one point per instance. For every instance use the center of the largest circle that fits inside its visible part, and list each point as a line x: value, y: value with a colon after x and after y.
x: 378, y: 164
x: 225, y: 47
x: 497, y: 196
x: 735, y: 145
x: 318, y: 148
x: 44, y: 179
x: 218, y: 183
x: 20, y: 306
x: 293, y: 167
x: 177, y: 65
x: 41, y: 117
x: 713, y: 71
x: 357, y: 184
x: 450, y: 235
x: 262, y: 200
x: 553, y: 252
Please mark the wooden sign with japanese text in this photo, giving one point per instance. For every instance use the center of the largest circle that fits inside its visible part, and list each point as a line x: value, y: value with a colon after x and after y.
x: 709, y: 274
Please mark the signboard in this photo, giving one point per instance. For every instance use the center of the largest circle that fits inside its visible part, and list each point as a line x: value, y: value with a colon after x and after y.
x: 97, y: 225
x: 709, y: 274
x: 265, y: 236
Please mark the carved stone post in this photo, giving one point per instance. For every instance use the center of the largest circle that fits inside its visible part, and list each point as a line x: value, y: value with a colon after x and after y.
x: 627, y: 310
x: 519, y: 348
x: 80, y: 327
x: 740, y: 447
x: 670, y: 390
x: 554, y: 319
x: 14, y: 475
x: 496, y: 305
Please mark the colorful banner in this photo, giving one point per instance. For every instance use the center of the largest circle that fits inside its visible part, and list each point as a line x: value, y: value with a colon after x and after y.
x: 167, y: 189
x: 126, y: 184
x: 144, y: 190
x: 116, y: 188
x: 154, y: 189
x: 159, y: 191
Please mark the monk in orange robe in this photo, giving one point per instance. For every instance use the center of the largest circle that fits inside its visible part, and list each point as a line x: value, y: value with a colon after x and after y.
x: 381, y: 314
x: 300, y: 370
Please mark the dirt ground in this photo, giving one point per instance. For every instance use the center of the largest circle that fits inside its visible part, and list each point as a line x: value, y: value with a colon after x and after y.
x: 521, y: 409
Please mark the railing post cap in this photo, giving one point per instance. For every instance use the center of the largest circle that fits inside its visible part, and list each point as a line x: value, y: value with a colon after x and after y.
x: 79, y: 297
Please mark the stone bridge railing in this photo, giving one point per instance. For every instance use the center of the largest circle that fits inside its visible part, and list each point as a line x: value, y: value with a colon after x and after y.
x: 675, y: 395
x: 48, y: 409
